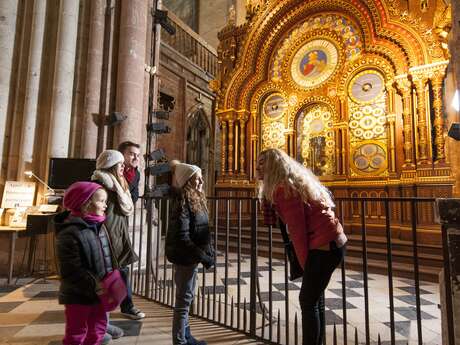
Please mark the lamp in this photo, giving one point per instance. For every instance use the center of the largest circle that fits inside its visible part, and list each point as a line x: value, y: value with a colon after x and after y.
x: 29, y: 174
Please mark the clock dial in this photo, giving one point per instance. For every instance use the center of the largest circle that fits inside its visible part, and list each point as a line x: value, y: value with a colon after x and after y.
x: 274, y: 106
x: 314, y: 63
x: 366, y: 87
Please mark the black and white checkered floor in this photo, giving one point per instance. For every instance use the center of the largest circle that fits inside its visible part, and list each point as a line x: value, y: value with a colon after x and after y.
x: 405, y: 315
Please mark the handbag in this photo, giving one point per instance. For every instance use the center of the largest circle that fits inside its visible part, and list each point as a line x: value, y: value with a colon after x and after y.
x: 114, y: 290
x: 295, y: 270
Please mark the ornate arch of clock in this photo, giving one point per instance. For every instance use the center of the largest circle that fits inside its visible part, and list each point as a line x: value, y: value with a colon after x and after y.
x: 351, y: 88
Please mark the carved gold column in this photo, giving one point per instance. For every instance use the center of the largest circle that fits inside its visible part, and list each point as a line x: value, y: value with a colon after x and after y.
x: 344, y: 150
x: 404, y: 86
x: 436, y: 82
x: 391, y: 137
x: 223, y: 147
x: 230, y: 147
x: 337, y: 150
x: 242, y: 144
x: 423, y: 140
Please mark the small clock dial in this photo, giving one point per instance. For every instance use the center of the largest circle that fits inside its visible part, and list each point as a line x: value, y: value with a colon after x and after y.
x: 366, y: 87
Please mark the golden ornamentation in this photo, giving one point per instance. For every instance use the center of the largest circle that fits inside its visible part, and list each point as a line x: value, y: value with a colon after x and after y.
x: 404, y: 86
x: 230, y: 148
x: 366, y: 86
x: 420, y: 87
x: 274, y: 106
x: 273, y: 135
x: 223, y: 146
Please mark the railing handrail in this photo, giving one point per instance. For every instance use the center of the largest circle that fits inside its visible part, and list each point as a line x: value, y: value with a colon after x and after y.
x: 190, y: 32
x: 424, y: 199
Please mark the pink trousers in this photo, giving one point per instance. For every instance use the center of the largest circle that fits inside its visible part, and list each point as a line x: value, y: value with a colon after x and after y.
x: 84, y: 324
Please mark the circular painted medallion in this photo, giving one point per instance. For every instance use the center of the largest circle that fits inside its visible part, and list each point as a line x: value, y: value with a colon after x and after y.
x: 314, y: 63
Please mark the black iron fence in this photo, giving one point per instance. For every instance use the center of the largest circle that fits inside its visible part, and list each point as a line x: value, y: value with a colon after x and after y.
x: 248, y: 289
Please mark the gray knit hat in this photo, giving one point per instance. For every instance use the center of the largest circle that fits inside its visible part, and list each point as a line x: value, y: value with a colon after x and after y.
x: 108, y: 159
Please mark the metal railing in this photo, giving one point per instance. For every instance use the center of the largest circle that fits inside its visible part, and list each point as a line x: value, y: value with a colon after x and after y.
x: 248, y: 289
x: 191, y: 45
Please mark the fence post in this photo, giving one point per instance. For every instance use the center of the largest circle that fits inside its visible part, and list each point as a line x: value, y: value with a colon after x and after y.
x: 252, y: 296
x: 449, y: 217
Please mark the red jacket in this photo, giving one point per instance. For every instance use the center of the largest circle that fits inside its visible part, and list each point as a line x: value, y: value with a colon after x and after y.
x: 310, y: 225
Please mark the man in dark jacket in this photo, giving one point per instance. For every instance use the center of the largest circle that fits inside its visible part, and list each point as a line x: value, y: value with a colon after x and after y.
x: 131, y: 151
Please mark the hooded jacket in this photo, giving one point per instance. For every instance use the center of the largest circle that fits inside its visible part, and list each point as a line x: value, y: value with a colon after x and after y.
x: 84, y: 257
x: 188, y: 240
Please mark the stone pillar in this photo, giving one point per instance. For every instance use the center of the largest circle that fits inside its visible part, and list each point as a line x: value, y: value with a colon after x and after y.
x: 93, y: 78
x: 404, y: 86
x: 61, y: 109
x: 32, y: 88
x: 131, y: 62
x: 423, y: 139
x: 437, y: 84
x: 8, y: 11
x: 449, y: 215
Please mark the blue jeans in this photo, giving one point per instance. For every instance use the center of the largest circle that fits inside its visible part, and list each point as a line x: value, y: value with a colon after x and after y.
x: 185, y: 280
x: 127, y: 304
x: 317, y: 272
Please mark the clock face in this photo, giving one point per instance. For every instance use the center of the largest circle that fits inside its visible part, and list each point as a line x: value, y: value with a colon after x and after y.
x: 274, y: 106
x: 366, y: 87
x: 314, y: 63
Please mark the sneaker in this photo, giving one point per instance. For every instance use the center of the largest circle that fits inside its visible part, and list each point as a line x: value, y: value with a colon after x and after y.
x: 191, y: 340
x: 114, y: 331
x: 134, y: 314
x: 107, y: 339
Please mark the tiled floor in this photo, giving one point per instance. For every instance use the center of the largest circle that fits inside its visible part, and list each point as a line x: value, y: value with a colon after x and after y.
x: 405, y: 316
x: 32, y: 309
x: 30, y: 315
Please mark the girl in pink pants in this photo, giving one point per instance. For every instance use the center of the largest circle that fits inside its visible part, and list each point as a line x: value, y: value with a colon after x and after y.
x: 84, y: 256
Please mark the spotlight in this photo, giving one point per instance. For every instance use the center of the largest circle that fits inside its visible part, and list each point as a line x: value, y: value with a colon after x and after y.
x: 115, y: 118
x: 31, y: 174
x: 158, y: 191
x: 161, y: 114
x: 454, y: 131
x: 157, y: 155
x: 159, y: 169
x: 158, y: 128
x: 161, y: 17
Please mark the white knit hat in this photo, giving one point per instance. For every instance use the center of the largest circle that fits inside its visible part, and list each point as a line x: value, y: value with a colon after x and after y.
x: 182, y: 172
x: 108, y: 159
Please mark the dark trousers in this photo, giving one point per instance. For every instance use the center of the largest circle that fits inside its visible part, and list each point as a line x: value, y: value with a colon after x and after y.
x: 127, y: 303
x: 185, y: 280
x: 318, y: 271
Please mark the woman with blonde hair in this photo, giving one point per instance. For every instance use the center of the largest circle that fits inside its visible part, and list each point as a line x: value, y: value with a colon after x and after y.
x: 188, y: 243
x: 306, y: 207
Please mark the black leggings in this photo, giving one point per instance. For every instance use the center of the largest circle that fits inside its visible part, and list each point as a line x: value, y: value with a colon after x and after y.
x: 318, y: 271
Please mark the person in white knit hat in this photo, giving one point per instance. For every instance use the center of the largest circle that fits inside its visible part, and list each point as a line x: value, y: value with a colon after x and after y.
x: 109, y: 174
x: 188, y: 243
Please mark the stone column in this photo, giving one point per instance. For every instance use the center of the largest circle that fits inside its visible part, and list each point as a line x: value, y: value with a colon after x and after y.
x: 8, y: 11
x: 32, y: 87
x: 404, y: 86
x: 131, y: 62
x: 93, y: 78
x: 449, y: 216
x: 437, y: 84
x: 61, y: 109
x: 423, y: 139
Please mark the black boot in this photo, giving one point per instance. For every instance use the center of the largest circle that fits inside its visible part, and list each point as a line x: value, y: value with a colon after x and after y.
x: 191, y: 340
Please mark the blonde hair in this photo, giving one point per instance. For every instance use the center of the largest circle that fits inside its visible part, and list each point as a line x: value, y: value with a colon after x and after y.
x: 121, y: 179
x: 280, y: 168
